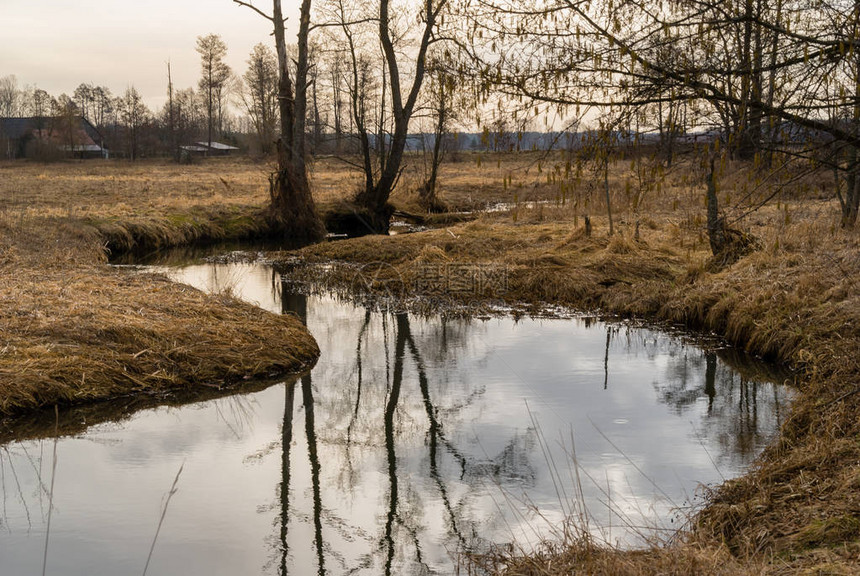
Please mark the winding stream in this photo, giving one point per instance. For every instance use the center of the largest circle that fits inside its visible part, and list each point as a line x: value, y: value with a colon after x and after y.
x: 411, y: 441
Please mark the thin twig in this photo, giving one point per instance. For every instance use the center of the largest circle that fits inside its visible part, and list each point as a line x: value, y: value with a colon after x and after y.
x: 51, y: 493
x: 170, y: 494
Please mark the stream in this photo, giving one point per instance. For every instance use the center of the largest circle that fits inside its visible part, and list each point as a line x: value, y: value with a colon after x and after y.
x: 412, y: 441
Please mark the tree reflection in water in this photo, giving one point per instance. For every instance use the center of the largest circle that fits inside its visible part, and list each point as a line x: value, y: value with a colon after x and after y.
x: 402, y: 528
x: 733, y: 392
x: 414, y: 440
x: 379, y: 396
x: 398, y: 473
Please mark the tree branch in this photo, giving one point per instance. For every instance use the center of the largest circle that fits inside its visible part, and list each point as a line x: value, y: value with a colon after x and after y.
x: 340, y: 24
x: 257, y: 10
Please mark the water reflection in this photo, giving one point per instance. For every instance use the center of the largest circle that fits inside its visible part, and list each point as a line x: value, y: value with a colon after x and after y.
x: 411, y: 441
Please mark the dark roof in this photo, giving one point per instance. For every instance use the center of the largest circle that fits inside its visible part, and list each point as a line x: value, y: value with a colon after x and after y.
x: 16, y: 128
x: 92, y: 131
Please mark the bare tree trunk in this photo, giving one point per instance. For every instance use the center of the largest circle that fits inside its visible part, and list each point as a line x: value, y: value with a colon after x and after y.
x: 756, y: 83
x: 209, y: 109
x: 771, y: 86
x: 851, y: 204
x: 171, y: 117
x: 428, y: 192
x: 375, y: 200
x: 358, y: 112
x: 291, y: 203
x: 606, y: 189
x: 380, y: 144
x: 317, y: 121
x: 337, y: 105
x: 716, y: 229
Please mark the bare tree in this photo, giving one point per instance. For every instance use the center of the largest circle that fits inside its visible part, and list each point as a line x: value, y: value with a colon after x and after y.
x: 215, y: 74
x: 134, y: 114
x: 102, y: 105
x: 774, y: 73
x: 291, y: 201
x: 10, y: 97
x: 170, y: 117
x: 336, y: 72
x: 84, y: 98
x: 442, y: 89
x: 403, y: 100
x: 66, y: 124
x: 189, y: 112
x: 259, y: 94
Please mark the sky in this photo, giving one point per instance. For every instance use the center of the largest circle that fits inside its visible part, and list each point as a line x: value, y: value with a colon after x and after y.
x: 58, y: 44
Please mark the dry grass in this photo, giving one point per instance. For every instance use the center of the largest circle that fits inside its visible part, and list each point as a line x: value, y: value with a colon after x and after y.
x: 146, y: 205
x: 75, y: 330
x: 119, y: 189
x: 582, y: 558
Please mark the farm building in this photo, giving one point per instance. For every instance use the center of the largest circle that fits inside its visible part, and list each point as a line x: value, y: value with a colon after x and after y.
x: 72, y: 136
x: 217, y: 148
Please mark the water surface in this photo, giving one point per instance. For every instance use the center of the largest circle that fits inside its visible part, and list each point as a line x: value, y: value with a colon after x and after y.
x: 412, y: 440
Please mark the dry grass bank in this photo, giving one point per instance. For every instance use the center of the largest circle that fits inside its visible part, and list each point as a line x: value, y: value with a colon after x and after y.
x: 76, y: 330
x: 795, y: 300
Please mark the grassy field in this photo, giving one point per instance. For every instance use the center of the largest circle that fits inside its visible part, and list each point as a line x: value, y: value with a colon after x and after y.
x: 76, y: 330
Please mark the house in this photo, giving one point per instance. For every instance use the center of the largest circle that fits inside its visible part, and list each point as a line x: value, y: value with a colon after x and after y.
x: 75, y: 136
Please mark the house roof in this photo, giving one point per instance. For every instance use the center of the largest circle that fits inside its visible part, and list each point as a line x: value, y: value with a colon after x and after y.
x: 45, y: 126
x: 217, y: 146
x: 92, y: 131
x: 16, y: 128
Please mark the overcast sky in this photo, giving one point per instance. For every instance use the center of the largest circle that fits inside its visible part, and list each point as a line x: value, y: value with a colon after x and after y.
x: 58, y: 44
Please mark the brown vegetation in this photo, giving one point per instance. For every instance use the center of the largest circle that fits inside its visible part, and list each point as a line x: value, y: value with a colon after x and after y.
x: 75, y: 330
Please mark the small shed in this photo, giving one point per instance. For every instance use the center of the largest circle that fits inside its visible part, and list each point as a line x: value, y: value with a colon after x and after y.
x: 217, y: 148
x: 188, y: 152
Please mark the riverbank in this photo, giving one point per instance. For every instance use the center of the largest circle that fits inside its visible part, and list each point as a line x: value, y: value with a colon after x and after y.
x: 793, y: 301
x: 77, y: 331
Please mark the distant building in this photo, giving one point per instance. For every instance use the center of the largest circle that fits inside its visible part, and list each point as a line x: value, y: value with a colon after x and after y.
x: 73, y: 136
x: 196, y: 150
x: 215, y: 149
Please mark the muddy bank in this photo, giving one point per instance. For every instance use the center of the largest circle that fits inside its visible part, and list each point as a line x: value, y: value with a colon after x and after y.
x: 795, y: 301
x: 77, y: 331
